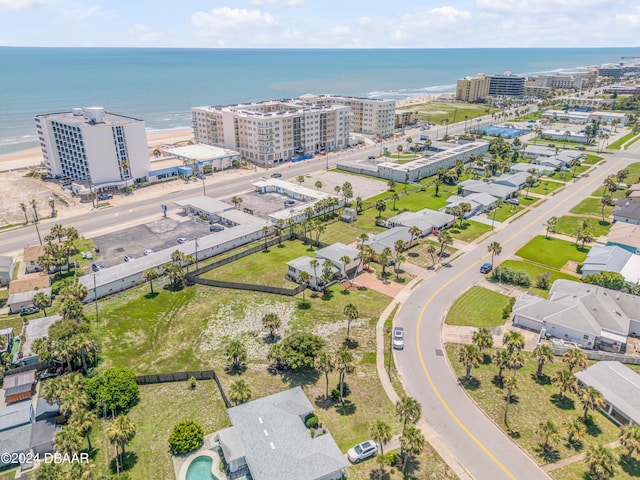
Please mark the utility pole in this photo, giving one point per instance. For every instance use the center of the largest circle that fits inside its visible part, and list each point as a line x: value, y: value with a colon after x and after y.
x: 35, y: 222
x: 95, y: 297
x: 204, y: 191
x: 196, y: 254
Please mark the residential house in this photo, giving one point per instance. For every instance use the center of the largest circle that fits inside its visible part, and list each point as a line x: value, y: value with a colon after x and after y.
x: 584, y: 314
x: 34, y: 329
x: 269, y: 440
x: 303, y: 264
x: 550, y: 163
x: 335, y: 252
x: 620, y: 387
x: 627, y: 211
x: 517, y: 180
x: 388, y: 239
x: 538, y: 168
x: 6, y: 334
x: 535, y: 151
x: 6, y: 269
x: 612, y: 259
x: 22, y: 291
x: 480, y: 202
x: 625, y: 235
x: 501, y: 192
x: 30, y: 257
x: 19, y: 386
x: 426, y: 220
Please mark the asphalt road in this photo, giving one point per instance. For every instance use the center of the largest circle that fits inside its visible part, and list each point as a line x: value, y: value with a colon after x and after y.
x: 481, y: 447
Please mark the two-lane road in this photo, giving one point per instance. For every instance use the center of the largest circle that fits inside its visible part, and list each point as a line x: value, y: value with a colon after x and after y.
x: 482, y: 448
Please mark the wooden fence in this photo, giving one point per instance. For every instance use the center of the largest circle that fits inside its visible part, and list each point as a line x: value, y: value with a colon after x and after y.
x: 183, y: 377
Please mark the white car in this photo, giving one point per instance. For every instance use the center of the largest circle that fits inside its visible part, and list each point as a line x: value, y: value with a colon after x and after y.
x: 182, y: 240
x: 148, y: 252
x: 398, y: 338
x: 362, y: 451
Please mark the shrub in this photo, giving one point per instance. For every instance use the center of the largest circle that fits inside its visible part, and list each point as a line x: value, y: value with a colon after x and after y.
x: 311, y: 421
x: 506, y: 311
x: 186, y: 437
x: 508, y: 275
x: 335, y: 393
x: 543, y: 280
x: 114, y: 389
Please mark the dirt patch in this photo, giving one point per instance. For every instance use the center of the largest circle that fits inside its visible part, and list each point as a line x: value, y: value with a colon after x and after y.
x: 370, y: 280
x: 571, y: 267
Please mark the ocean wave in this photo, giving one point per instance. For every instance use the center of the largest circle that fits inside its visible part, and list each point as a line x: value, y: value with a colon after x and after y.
x: 404, y: 93
x: 7, y: 141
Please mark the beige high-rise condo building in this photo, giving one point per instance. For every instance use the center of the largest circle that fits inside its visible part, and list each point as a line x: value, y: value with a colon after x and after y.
x: 274, y: 131
x: 472, y: 89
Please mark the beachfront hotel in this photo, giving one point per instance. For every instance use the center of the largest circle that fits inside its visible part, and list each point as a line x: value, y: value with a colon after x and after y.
x: 472, y: 89
x: 274, y: 131
x: 97, y: 149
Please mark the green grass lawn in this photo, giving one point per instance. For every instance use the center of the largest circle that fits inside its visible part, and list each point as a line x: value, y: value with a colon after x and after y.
x: 553, y: 252
x: 591, y: 206
x: 533, y: 271
x: 625, y: 470
x: 526, y: 201
x: 536, y: 401
x: 266, y: 267
x: 469, y: 231
x: 417, y: 199
x: 591, y: 159
x: 419, y: 256
x: 478, y: 307
x: 503, y: 212
x: 620, y: 193
x: 568, y: 225
x: 437, y: 112
x: 618, y: 143
x: 545, y: 187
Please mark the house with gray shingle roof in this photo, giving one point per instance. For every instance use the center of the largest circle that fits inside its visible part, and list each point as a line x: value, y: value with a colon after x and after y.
x: 585, y: 314
x: 303, y: 264
x: 627, y: 211
x: 336, y: 252
x: 388, y: 239
x: 270, y: 439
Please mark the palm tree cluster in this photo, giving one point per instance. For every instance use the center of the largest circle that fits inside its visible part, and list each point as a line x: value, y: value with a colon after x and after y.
x: 341, y: 361
x: 57, y: 254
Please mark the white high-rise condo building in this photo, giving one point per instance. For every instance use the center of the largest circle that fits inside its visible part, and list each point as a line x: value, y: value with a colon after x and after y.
x: 89, y: 145
x: 273, y: 131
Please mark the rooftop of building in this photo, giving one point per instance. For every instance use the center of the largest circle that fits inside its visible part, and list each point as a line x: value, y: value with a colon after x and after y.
x: 28, y: 283
x: 440, y: 156
x: 5, y: 262
x: 200, y: 152
x: 31, y: 254
x: 77, y: 117
x: 624, y: 234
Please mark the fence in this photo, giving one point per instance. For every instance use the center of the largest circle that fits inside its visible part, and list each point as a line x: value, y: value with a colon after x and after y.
x: 593, y: 355
x: 248, y: 286
x: 183, y: 377
x: 26, y: 368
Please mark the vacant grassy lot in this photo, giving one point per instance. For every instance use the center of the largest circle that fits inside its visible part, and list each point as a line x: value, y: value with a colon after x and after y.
x: 419, y: 256
x: 348, y: 233
x: 526, y: 201
x: 627, y: 469
x: 469, y: 231
x: 591, y: 159
x: 568, y: 225
x: 437, y: 112
x: 545, y: 187
x: 536, y: 401
x: 266, y: 267
x: 553, y: 252
x: 504, y: 211
x: 592, y: 206
x: 533, y: 271
x: 478, y: 307
x: 621, y: 193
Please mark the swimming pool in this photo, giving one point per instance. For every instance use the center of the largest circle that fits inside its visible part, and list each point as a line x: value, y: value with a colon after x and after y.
x: 200, y: 469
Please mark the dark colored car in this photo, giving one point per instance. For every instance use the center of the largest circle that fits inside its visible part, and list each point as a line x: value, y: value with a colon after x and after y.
x: 97, y: 266
x: 216, y: 228
x: 29, y: 311
x: 276, y: 175
x: 485, y: 268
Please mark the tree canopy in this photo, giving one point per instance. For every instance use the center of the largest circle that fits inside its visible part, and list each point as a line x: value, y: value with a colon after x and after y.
x: 114, y: 389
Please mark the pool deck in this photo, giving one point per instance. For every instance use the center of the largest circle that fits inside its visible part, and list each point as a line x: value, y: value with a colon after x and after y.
x: 209, y: 449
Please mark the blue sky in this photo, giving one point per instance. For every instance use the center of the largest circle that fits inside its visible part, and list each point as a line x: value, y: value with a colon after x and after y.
x: 320, y: 23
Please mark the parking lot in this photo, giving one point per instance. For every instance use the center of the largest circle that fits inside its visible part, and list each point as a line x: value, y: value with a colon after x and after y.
x: 155, y: 236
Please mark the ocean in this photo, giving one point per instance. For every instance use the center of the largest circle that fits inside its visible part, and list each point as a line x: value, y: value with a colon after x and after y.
x: 161, y: 85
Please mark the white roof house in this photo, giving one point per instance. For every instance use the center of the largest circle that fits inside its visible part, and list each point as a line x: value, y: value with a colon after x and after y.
x: 517, y: 180
x: 619, y: 385
x: 609, y: 259
x: 477, y: 186
x: 534, y: 151
x: 426, y: 220
x: 388, y: 238
x: 272, y: 439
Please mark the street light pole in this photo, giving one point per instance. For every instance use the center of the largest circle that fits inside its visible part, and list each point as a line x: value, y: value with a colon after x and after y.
x: 204, y: 191
x: 196, y: 254
x: 35, y: 222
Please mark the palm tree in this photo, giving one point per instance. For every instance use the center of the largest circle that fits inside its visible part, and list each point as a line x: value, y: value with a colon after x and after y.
x: 34, y: 204
x: 469, y: 356
x: 482, y: 339
x: 83, y: 421
x: 120, y: 431
x: 318, y: 184
x: 381, y: 206
x: 380, y: 432
x: 85, y: 346
x: 395, y: 197
x: 495, y: 249
x: 408, y: 411
x: 68, y: 440
x: 601, y: 462
x: 265, y: 234
x: 363, y: 238
x: 630, y: 439
x: 399, y: 149
x: 543, y: 354
x: 325, y: 363
x: 383, y: 259
x: 236, y: 201
x: 149, y: 276
x: 574, y: 358
x: 550, y: 226
x: 236, y: 352
x: 72, y: 310
x: 23, y: 206
x: 436, y: 182
x: 411, y: 444
x: 52, y: 206
x: 303, y: 279
x: 41, y: 300
x: 239, y: 392
x: 549, y: 433
x: 565, y: 381
x: 157, y: 153
x: 605, y: 201
x: 271, y: 322
x: 415, y: 232
x: 575, y: 430
x: 444, y: 239
x: 345, y: 363
x: 511, y: 384
x: 431, y: 250
x: 513, y: 341
x: 591, y: 399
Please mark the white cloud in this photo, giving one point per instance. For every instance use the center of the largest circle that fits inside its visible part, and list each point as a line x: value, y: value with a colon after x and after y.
x: 231, y: 18
x: 236, y: 27
x: 145, y: 34
x: 22, y: 4
x: 83, y: 13
x: 277, y: 3
x: 543, y: 7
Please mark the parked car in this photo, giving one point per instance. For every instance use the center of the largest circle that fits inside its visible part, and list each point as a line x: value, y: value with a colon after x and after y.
x: 128, y: 258
x: 29, y: 310
x: 97, y: 266
x: 148, y: 252
x: 485, y: 268
x: 289, y: 203
x: 398, y: 338
x: 372, y: 157
x: 362, y: 451
x: 88, y: 255
x: 216, y: 228
x: 276, y: 175
x: 512, y: 201
x: 200, y: 176
x: 182, y: 240
x: 105, y: 196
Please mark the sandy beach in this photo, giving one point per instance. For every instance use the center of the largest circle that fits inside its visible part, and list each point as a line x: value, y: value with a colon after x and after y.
x: 33, y: 156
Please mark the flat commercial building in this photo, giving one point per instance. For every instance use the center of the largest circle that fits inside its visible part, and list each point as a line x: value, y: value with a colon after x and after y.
x: 506, y: 85
x: 585, y: 117
x: 91, y: 145
x: 275, y: 131
x: 472, y: 89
